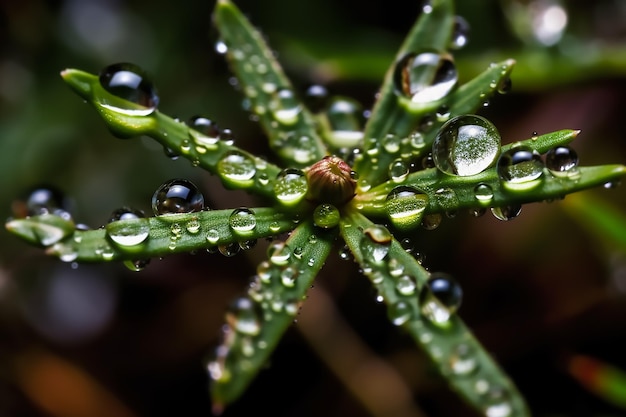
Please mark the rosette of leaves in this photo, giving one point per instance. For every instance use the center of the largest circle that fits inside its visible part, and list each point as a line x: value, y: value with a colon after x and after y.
x: 422, y: 153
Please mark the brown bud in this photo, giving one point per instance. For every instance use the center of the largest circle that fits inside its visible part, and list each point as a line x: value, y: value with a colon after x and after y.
x: 331, y: 181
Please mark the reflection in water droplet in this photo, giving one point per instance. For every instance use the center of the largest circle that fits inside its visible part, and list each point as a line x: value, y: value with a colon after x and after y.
x: 425, y: 77
x: 483, y: 194
x: 177, y: 196
x: 440, y: 298
x: 466, y: 145
x: 242, y: 220
x: 128, y: 234
x: 375, y: 243
x: 405, y: 206
x: 133, y: 93
x: 520, y: 168
x: 561, y: 160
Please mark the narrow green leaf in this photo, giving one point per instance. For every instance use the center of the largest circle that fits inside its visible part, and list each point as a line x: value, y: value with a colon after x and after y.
x: 401, y: 282
x: 147, y: 237
x: 236, y: 167
x: 289, y: 125
x: 390, y: 115
x: 449, y: 193
x: 256, y: 322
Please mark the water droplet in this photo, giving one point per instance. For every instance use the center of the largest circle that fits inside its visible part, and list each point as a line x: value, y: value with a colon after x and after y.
x: 205, y: 132
x: 505, y: 85
x: 425, y: 77
x: 405, y: 207
x: 462, y: 360
x: 42, y: 200
x: 375, y: 243
x: 506, y: 213
x: 137, y: 264
x: 395, y: 267
x: 238, y: 168
x: 520, y: 168
x: 440, y: 298
x: 212, y: 236
x: 177, y: 196
x: 431, y: 221
x: 344, y: 253
x: 326, y: 216
x: 405, y: 285
x: 345, y: 117
x: 391, y: 143
x: 288, y: 276
x: 561, y: 160
x: 290, y: 186
x: 279, y: 253
x: 483, y: 194
x: 243, y: 315
x: 398, y: 170
x: 443, y: 113
x: 399, y: 312
x: 229, y: 249
x: 466, y: 145
x: 459, y: 33
x: 242, y: 221
x: 417, y: 141
x: 447, y: 199
x: 128, y: 234
x: 316, y: 97
x: 498, y: 404
x: 285, y: 106
x: 132, y: 92
x: 193, y: 226
x: 221, y: 47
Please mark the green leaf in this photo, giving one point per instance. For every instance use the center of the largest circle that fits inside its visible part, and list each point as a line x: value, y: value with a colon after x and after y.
x: 236, y: 167
x: 256, y: 322
x: 289, y: 125
x: 401, y: 282
x: 145, y: 238
x: 449, y: 192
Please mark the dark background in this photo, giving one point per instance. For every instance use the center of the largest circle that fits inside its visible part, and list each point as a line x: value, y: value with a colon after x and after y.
x: 101, y: 340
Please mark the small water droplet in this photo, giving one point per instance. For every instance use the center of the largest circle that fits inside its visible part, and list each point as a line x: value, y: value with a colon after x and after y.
x: 440, y: 298
x: 220, y: 47
x: 193, y: 226
x: 462, y: 360
x: 132, y: 93
x: 483, y: 194
x: 242, y: 221
x: 425, y: 77
x: 398, y: 170
x: 431, y: 221
x: 212, y: 236
x: 375, y: 243
x: 278, y: 253
x: 345, y: 117
x: 290, y: 186
x: 177, y: 196
x: 243, y: 315
x: 136, y: 265
x: 41, y: 200
x: 326, y: 216
x: 238, y: 168
x: 466, y: 145
x: 285, y: 106
x: 405, y: 207
x: 459, y: 33
x: 399, y: 312
x: 405, y: 285
x: 205, y: 133
x: 288, y: 276
x: 506, y: 213
x: 316, y: 97
x: 520, y: 168
x: 229, y: 249
x: 395, y: 267
x: 391, y: 143
x: 561, y: 160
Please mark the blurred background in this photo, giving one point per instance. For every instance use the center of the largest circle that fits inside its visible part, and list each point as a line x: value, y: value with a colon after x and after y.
x: 545, y: 293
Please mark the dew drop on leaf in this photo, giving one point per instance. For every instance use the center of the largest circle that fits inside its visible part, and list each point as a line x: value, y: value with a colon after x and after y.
x: 483, y: 194
x: 285, y: 106
x: 290, y: 186
x: 466, y: 145
x: 279, y: 253
x: 177, y: 196
x: 345, y: 117
x: 520, y: 168
x: 243, y: 315
x: 237, y: 168
x: 315, y: 98
x: 425, y: 77
x: 405, y: 285
x: 462, y: 360
x: 375, y: 243
x: 460, y: 33
x: 399, y: 312
x: 128, y: 234
x: 242, y: 221
x: 561, y: 160
x: 326, y: 216
x: 440, y: 298
x: 506, y: 213
x: 405, y: 207
x: 132, y: 92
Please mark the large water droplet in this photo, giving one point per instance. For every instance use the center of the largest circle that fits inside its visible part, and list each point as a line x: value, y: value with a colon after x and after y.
x: 345, y: 117
x: 405, y: 207
x: 242, y: 221
x: 133, y: 92
x: 238, y: 168
x: 466, y: 145
x: 326, y: 216
x: 375, y: 243
x: 561, y: 160
x: 42, y: 200
x: 177, y: 196
x: 290, y: 186
x: 520, y: 168
x: 131, y: 234
x: 243, y: 315
x: 425, y: 77
x: 440, y: 298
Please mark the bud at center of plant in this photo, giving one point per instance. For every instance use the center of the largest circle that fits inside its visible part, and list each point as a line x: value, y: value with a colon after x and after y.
x: 331, y: 180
